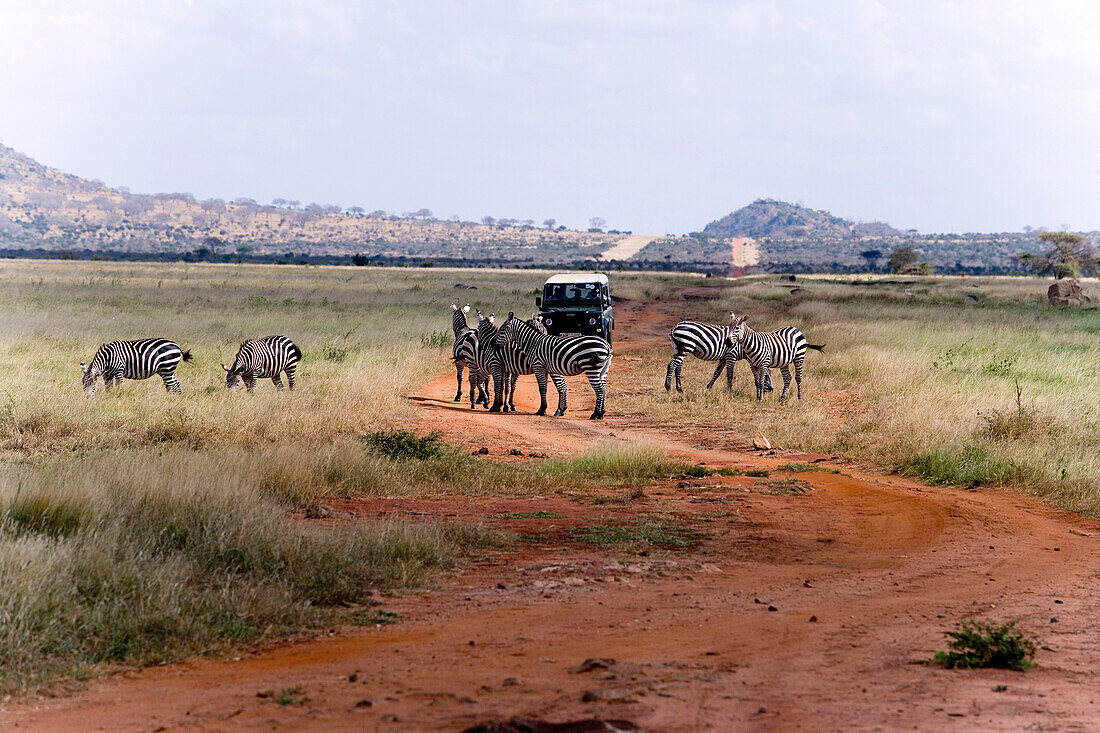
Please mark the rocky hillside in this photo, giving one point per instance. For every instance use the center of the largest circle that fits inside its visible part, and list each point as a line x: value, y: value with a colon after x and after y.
x: 44, y: 209
x: 781, y: 220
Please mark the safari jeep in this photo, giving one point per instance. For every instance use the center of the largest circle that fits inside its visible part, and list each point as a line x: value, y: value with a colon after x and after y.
x: 577, y: 304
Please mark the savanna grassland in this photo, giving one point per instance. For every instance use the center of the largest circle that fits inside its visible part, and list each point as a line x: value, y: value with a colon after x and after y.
x: 919, y: 377
x: 140, y: 527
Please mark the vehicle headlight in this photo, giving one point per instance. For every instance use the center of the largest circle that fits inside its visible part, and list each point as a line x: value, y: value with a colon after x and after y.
x: 591, y: 321
x: 548, y: 321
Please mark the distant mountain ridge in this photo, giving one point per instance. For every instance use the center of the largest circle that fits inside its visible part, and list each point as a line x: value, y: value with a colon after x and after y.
x: 45, y: 210
x: 769, y: 218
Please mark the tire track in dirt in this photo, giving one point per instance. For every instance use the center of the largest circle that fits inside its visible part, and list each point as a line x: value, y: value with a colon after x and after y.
x: 798, y: 612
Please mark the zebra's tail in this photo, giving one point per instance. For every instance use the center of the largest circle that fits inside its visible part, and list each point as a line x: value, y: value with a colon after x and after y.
x: 815, y: 347
x: 295, y: 351
x: 186, y: 355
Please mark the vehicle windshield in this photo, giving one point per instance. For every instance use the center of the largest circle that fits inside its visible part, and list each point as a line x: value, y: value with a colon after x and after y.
x: 572, y: 292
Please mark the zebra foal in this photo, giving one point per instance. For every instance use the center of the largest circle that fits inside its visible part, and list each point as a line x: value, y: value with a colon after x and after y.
x: 264, y: 358
x: 706, y: 342
x: 558, y: 357
x: 139, y: 359
x: 764, y: 351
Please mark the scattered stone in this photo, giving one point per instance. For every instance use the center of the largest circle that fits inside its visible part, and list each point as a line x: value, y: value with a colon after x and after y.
x: 683, y: 484
x: 592, y: 663
x: 796, y: 291
x: 813, y: 619
x: 1054, y: 619
x: 515, y: 452
x: 537, y: 454
x: 806, y: 584
x: 483, y: 451
x: 353, y: 677
x: 509, y: 682
x: 502, y: 586
x: 772, y: 608
x: 366, y: 702
x: 761, y: 710
x: 264, y: 693
x: 1057, y: 600
x: 761, y: 442
x: 611, y: 694
x: 464, y: 286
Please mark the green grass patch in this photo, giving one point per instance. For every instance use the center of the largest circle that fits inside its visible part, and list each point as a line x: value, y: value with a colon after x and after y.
x: 528, y: 515
x: 628, y: 464
x: 758, y: 473
x: 978, y: 644
x: 806, y: 468
x: 965, y: 465
x: 373, y: 617
x: 784, y: 487
x: 646, y: 532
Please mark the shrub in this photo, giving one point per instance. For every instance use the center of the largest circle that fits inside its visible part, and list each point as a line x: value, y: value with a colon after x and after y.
x: 978, y: 644
x: 966, y: 465
x: 637, y: 463
x: 406, y: 444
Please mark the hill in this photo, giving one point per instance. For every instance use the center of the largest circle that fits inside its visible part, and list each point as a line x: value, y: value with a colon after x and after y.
x: 779, y: 219
x: 46, y: 210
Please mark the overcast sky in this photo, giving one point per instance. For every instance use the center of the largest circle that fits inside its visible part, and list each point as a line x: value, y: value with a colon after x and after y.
x: 657, y: 116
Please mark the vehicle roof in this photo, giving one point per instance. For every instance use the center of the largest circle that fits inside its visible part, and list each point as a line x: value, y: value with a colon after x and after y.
x: 578, y: 277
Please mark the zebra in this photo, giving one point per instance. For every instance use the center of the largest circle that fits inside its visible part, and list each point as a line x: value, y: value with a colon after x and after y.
x: 488, y: 361
x: 513, y: 362
x: 764, y: 351
x: 706, y: 342
x: 263, y: 358
x: 464, y: 353
x: 559, y: 357
x: 138, y: 359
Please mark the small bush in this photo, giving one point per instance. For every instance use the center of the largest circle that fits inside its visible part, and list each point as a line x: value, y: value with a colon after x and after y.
x: 978, y: 644
x: 406, y: 444
x: 758, y: 473
x: 436, y: 340
x: 334, y: 353
x: 966, y: 465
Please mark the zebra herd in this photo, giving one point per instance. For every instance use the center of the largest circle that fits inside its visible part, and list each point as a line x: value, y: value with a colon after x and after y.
x: 523, y: 347
x: 263, y: 358
x: 779, y: 349
x: 520, y: 347
x: 500, y: 354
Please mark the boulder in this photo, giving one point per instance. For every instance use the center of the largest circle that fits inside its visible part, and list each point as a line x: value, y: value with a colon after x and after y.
x: 1066, y: 292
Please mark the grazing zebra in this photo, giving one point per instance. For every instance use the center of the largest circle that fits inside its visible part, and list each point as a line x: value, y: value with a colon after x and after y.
x: 263, y: 358
x: 705, y: 342
x: 464, y: 353
x: 764, y: 351
x: 139, y: 359
x: 488, y: 361
x: 559, y: 357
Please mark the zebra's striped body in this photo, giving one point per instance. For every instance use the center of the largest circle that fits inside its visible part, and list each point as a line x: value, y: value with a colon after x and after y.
x: 264, y: 358
x: 488, y: 361
x: 138, y: 359
x: 706, y: 342
x: 558, y: 357
x: 764, y: 351
x: 464, y: 353
x: 513, y: 362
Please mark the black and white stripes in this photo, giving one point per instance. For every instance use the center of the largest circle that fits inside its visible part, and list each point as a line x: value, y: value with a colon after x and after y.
x: 464, y: 352
x: 706, y: 342
x: 560, y: 356
x: 763, y: 351
x: 263, y: 358
x: 138, y: 359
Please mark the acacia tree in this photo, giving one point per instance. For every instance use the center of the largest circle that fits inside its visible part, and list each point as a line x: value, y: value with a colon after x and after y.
x: 1070, y: 255
x: 905, y: 260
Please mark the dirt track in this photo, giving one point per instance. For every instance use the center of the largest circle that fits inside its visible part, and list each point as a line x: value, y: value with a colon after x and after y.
x: 723, y: 638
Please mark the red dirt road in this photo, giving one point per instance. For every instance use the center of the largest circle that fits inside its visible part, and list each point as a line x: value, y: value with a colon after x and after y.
x: 797, y: 612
